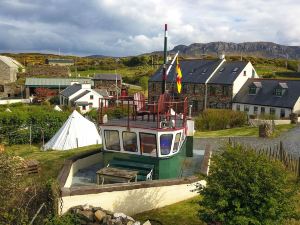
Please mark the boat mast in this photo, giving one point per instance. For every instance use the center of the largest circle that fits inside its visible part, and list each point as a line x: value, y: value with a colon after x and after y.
x: 164, y: 75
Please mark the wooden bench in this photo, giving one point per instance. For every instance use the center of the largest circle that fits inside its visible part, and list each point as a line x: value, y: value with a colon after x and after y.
x: 145, y: 170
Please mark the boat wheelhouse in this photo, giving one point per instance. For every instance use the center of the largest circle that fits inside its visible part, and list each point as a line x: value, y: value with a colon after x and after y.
x: 155, y: 146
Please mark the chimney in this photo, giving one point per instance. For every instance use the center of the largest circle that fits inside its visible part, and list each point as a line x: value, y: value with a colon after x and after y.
x: 74, y: 82
x: 85, y: 85
x: 222, y: 56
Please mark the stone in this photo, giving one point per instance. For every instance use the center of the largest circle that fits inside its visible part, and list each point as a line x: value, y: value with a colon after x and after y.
x: 136, y: 223
x: 106, y: 219
x: 99, y: 215
x: 108, y: 212
x: 86, y: 215
x: 130, y: 222
x: 86, y: 206
x: 147, y: 223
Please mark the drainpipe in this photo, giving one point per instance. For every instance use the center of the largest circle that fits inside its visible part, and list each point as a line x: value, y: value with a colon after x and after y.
x: 205, y: 97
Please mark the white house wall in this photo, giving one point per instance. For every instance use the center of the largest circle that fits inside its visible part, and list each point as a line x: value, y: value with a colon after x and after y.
x: 267, y: 109
x: 241, y: 79
x: 296, y: 108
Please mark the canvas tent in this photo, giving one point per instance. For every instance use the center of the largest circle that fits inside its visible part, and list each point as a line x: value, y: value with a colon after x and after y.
x: 57, y: 108
x: 76, y: 132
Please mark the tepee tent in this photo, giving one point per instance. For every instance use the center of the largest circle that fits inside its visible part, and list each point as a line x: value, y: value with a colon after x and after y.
x: 76, y: 132
x: 57, y: 108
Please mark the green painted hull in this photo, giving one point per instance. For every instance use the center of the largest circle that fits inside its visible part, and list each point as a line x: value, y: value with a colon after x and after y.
x: 164, y: 168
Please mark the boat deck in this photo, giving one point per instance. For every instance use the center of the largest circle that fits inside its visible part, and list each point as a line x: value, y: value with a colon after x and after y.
x: 87, y: 176
x: 139, y: 123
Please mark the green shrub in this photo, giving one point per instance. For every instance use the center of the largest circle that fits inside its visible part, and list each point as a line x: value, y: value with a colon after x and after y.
x: 217, y: 119
x: 68, y: 219
x: 246, y: 188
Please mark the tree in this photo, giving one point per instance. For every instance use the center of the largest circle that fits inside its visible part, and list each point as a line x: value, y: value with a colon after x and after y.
x: 246, y: 188
x: 144, y: 82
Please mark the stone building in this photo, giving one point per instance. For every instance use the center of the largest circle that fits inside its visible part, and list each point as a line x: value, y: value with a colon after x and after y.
x: 206, y: 83
x: 9, y: 69
x: 111, y: 82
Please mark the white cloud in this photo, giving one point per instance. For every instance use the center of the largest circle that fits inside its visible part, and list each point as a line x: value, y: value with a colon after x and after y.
x: 119, y: 27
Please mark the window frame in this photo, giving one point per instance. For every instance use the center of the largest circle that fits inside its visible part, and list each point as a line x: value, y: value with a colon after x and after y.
x: 284, y: 114
x: 141, y: 151
x: 137, y: 148
x: 179, y: 143
x: 104, y: 132
x: 238, y: 107
x: 246, y: 108
x: 272, y: 110
x: 171, y: 144
x: 252, y: 90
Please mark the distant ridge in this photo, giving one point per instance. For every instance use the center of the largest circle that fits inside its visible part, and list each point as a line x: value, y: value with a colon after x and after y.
x: 256, y: 49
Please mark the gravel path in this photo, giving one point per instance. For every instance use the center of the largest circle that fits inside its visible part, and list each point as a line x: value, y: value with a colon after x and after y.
x: 290, y: 140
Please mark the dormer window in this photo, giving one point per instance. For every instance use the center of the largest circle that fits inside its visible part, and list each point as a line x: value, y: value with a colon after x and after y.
x: 204, y: 71
x: 254, y: 88
x: 222, y: 69
x: 280, y: 89
x: 235, y: 69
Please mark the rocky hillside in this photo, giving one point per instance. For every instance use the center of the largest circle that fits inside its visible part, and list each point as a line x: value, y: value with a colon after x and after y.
x: 256, y: 49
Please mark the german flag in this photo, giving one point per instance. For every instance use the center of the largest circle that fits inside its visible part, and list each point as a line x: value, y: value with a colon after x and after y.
x: 179, y: 76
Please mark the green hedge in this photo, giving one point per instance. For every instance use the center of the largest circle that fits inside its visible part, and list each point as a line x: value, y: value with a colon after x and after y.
x: 43, y: 122
x: 218, y: 119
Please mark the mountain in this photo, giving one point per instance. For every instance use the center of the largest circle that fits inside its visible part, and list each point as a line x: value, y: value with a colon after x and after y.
x: 257, y: 49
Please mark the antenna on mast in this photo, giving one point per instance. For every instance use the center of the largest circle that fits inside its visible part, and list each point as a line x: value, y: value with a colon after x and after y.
x: 164, y: 75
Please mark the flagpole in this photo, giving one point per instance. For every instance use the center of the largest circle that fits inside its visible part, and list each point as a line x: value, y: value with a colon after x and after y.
x: 172, y: 63
x: 164, y: 83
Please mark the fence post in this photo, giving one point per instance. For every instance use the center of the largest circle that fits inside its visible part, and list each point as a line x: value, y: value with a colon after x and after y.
x: 299, y: 168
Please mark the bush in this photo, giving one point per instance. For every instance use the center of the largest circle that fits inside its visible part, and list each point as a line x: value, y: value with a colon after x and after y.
x: 217, y: 119
x: 246, y: 188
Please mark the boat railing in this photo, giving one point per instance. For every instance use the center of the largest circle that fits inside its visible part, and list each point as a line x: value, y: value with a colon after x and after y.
x: 165, y: 112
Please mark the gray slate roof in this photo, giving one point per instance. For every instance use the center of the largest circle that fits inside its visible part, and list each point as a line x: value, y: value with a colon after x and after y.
x: 228, y: 72
x: 265, y: 95
x: 71, y: 90
x: 102, y: 92
x: 107, y: 77
x: 80, y: 95
x: 193, y: 71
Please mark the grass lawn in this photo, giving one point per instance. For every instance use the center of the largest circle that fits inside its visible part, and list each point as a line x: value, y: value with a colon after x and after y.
x: 51, y: 161
x: 182, y: 213
x: 242, y: 131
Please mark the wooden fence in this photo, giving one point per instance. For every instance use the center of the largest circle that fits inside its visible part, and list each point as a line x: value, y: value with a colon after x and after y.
x: 290, y: 161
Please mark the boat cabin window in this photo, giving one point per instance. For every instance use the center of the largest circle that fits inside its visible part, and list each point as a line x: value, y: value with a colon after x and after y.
x: 176, y: 142
x: 112, y: 140
x: 165, y: 143
x: 129, y: 141
x: 148, y: 143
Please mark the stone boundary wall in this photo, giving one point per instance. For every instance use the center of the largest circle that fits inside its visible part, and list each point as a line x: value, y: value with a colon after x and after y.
x: 257, y: 122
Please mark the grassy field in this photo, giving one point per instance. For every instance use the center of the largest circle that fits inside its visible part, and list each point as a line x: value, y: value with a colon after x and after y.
x: 242, y: 131
x: 51, y: 161
x: 125, y: 72
x: 273, y: 71
x: 182, y: 213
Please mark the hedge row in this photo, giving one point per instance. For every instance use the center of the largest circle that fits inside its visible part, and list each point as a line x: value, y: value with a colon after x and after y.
x: 41, y: 121
x: 218, y: 119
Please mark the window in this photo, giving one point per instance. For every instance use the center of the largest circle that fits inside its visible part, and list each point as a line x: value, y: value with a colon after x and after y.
x: 91, y: 97
x: 112, y: 140
x: 252, y: 90
x: 1, y: 88
x: 184, y: 88
x: 176, y: 142
x: 255, y: 110
x: 130, y: 141
x: 272, y: 111
x: 212, y: 90
x: 153, y: 86
x: 246, y: 108
x: 165, y: 143
x: 225, y: 90
x: 282, y: 113
x: 278, y: 92
x: 195, y: 105
x: 238, y: 107
x: 148, y: 143
x: 245, y: 73
x: 253, y: 73
x: 262, y: 110
x: 83, y: 107
x: 196, y: 89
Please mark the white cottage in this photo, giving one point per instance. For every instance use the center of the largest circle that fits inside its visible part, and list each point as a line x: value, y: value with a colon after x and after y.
x: 82, y: 96
x: 269, y: 96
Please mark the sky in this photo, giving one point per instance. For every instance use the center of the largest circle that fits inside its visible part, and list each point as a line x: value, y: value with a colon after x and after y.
x: 131, y: 27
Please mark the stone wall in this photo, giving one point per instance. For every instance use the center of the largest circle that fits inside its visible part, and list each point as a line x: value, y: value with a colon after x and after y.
x: 7, y: 74
x: 196, y: 94
x: 10, y: 90
x: 45, y: 70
